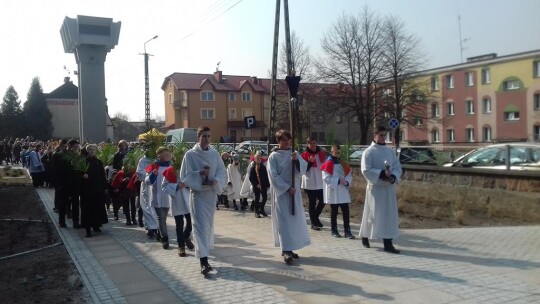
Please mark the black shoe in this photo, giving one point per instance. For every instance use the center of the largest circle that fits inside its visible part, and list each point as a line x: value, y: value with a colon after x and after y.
x: 77, y: 226
x: 388, y: 247
x: 287, y: 256
x: 319, y: 224
x: 129, y: 223
x: 158, y: 237
x: 182, y: 251
x: 165, y: 244
x: 295, y: 255
x: 263, y: 213
x: 316, y: 228
x: 205, y: 269
x: 62, y: 225
x: 349, y: 235
x: 150, y: 233
x: 134, y: 222
x: 217, y: 208
x: 235, y: 207
x: 365, y: 242
x: 336, y: 234
x: 96, y: 229
x: 189, y: 244
x: 141, y: 224
x: 257, y: 215
x: 88, y: 234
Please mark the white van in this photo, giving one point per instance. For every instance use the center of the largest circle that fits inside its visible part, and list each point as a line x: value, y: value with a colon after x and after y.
x: 182, y: 135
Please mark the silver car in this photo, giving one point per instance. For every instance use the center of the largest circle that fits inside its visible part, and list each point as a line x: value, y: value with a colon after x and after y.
x: 513, y: 156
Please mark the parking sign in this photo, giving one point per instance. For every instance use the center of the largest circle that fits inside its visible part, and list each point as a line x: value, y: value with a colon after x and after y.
x: 393, y: 123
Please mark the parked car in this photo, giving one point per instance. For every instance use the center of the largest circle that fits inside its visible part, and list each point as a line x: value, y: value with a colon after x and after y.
x: 246, y: 148
x: 355, y: 158
x: 515, y: 156
x: 417, y: 156
x: 222, y: 147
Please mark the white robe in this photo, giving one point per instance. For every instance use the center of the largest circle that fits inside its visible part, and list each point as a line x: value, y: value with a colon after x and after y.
x: 247, y: 190
x: 333, y: 192
x: 202, y: 200
x: 179, y: 197
x: 149, y: 213
x: 235, y: 178
x: 290, y: 231
x: 158, y: 198
x: 380, y: 218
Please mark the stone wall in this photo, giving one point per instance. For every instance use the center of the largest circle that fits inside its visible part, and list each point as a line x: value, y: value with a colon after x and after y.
x: 487, y: 192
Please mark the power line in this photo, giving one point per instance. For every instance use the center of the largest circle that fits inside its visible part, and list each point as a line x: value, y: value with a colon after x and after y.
x: 209, y: 22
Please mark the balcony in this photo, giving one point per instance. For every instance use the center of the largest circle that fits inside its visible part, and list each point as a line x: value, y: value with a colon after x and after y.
x: 179, y: 104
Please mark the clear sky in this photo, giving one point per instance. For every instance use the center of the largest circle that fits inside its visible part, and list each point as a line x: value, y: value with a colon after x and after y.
x: 194, y: 35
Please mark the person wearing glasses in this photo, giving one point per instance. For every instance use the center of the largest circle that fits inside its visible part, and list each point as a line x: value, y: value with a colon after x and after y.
x: 382, y: 170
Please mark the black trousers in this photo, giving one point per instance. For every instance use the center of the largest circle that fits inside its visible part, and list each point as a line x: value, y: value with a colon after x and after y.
x: 69, y: 201
x: 128, y: 205
x: 333, y: 216
x: 315, y: 209
x: 259, y: 203
x: 182, y: 233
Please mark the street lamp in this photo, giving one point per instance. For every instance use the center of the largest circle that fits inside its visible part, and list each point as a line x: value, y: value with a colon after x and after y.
x: 147, y: 86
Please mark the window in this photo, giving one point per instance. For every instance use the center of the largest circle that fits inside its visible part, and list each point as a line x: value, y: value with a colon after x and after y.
x: 469, y: 134
x: 511, y: 85
x: 207, y: 96
x: 231, y: 96
x: 183, y: 98
x: 435, y: 135
x: 486, y: 105
x: 536, y: 68
x: 469, y: 106
x: 355, y: 118
x: 450, y: 135
x: 170, y: 98
x: 434, y: 83
x: 511, y: 115
x: 434, y: 110
x: 232, y: 113
x: 184, y: 115
x: 486, y: 76
x: 339, y: 119
x: 418, y: 121
x: 450, y: 81
x: 536, y: 133
x: 246, y: 112
x: 208, y: 114
x: 536, y: 101
x: 469, y: 79
x: 486, y: 134
x: 450, y: 108
x: 246, y: 96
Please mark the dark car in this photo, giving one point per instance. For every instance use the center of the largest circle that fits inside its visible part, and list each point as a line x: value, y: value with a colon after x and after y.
x: 417, y: 156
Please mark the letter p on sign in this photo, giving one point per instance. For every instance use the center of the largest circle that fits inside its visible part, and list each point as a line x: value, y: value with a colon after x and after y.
x: 250, y: 122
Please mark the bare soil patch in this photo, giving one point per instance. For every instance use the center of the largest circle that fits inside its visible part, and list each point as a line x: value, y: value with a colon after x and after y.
x: 43, y: 276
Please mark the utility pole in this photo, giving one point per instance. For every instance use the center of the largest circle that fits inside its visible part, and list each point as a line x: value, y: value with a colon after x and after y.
x: 461, y: 40
x: 147, y: 86
x: 273, y: 92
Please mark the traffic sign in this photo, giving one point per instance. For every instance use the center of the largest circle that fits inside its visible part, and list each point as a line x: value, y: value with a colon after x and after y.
x: 250, y: 122
x: 393, y: 123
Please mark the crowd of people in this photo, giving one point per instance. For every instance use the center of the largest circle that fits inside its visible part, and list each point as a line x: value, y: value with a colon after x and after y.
x: 206, y: 180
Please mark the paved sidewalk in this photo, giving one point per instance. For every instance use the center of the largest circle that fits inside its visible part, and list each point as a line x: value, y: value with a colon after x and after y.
x: 467, y: 265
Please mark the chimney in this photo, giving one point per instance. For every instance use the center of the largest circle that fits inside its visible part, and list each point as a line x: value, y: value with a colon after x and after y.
x: 218, y: 76
x: 255, y: 79
x: 66, y: 79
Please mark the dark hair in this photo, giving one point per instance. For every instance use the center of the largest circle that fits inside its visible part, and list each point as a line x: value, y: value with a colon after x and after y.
x: 282, y: 134
x: 336, y: 146
x: 72, y: 142
x: 202, y: 129
x: 310, y: 139
x: 381, y: 128
x: 63, y: 141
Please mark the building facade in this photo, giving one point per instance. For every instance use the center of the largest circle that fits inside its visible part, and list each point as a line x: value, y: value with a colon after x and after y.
x: 487, y: 99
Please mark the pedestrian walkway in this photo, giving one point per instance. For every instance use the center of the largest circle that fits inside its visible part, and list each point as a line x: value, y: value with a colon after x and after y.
x: 466, y: 265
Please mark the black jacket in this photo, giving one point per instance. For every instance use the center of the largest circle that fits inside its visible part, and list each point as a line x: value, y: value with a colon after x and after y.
x: 263, y: 175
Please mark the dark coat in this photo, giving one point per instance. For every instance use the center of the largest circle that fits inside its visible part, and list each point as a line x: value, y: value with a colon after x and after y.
x: 263, y: 175
x: 93, y: 197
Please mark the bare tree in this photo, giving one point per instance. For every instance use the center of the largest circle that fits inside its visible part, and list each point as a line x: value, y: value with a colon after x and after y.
x: 353, y: 56
x: 401, y: 94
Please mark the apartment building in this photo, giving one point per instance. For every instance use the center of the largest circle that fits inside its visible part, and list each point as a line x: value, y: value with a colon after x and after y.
x: 486, y: 99
x: 218, y: 101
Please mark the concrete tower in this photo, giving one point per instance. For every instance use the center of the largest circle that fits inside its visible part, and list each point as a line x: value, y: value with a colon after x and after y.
x: 90, y: 39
